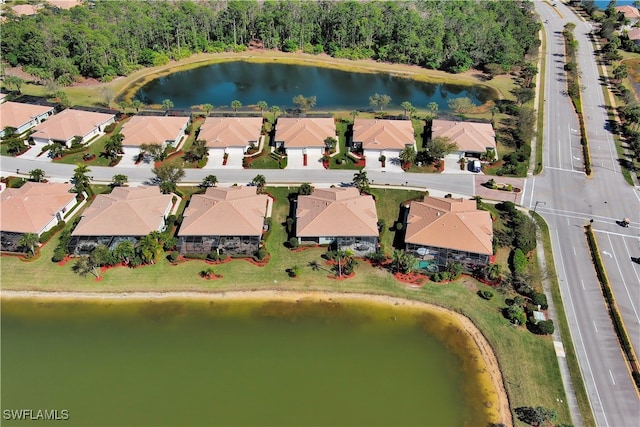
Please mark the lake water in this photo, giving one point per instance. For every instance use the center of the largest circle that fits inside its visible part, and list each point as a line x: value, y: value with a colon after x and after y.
x: 212, y: 363
x: 277, y: 84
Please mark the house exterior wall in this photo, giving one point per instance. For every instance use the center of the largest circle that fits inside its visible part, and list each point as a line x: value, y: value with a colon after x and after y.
x: 59, y: 216
x: 360, y: 245
x: 229, y: 245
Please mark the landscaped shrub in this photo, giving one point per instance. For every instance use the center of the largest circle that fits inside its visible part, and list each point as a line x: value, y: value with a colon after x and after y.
x: 195, y: 256
x: 261, y: 253
x: 173, y: 256
x: 540, y: 299
x: 376, y: 257
x: 519, y: 262
x: 485, y: 294
x: 524, y: 233
x: 44, y: 237
x: 544, y: 327
x: 214, y: 256
x: 293, y: 242
x: 58, y: 254
x: 109, y: 128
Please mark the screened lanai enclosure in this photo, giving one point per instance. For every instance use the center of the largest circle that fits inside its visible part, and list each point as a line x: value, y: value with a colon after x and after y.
x: 229, y: 245
x: 428, y: 256
x: 360, y: 245
x: 9, y: 241
x: 83, y: 245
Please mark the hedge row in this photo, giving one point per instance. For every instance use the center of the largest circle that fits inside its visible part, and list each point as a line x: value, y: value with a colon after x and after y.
x: 618, y: 324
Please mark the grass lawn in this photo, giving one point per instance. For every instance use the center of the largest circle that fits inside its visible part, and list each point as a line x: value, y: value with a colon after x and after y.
x: 177, y: 157
x: 527, y: 361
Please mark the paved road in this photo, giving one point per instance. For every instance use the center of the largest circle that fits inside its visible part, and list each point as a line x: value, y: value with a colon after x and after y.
x: 568, y: 200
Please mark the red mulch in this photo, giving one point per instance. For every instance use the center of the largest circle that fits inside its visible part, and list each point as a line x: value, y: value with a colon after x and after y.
x: 222, y: 261
x: 417, y: 279
x: 262, y: 263
x: 99, y: 279
x: 304, y: 248
x: 214, y: 277
x: 65, y: 260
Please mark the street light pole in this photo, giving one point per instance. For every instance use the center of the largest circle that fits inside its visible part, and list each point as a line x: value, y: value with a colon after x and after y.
x: 538, y: 203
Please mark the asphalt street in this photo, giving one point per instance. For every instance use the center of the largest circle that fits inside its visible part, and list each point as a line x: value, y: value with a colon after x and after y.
x: 568, y: 200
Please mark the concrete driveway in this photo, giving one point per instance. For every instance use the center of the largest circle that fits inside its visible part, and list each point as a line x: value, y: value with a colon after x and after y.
x: 129, y: 158
x: 32, y: 153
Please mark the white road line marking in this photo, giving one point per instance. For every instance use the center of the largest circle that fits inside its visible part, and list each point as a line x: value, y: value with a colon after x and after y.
x: 611, y: 375
x: 629, y: 255
x: 565, y: 170
x: 577, y: 326
x: 583, y: 288
x: 594, y: 325
x: 574, y: 251
x: 533, y: 185
x: 624, y: 283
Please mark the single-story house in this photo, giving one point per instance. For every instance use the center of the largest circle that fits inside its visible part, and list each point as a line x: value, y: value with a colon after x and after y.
x: 64, y: 4
x: 22, y: 116
x: 69, y: 124
x: 229, y: 220
x: 631, y: 13
x: 338, y: 216
x: 127, y: 213
x: 634, y: 35
x: 161, y: 130
x: 303, y: 139
x: 231, y: 136
x: 440, y: 231
x: 26, y: 9
x: 472, y: 139
x: 377, y: 138
x: 35, y: 207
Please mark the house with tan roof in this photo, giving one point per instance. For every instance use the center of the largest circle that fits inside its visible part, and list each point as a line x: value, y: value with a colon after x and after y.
x: 230, y: 136
x: 227, y: 220
x: 64, y: 127
x: 161, y: 130
x: 377, y: 138
x: 127, y: 213
x: 440, y: 231
x: 631, y: 13
x: 303, y: 139
x: 35, y: 207
x: 634, y: 35
x: 22, y: 117
x: 3, y: 97
x: 64, y: 4
x: 338, y: 216
x: 472, y: 139
x: 26, y: 9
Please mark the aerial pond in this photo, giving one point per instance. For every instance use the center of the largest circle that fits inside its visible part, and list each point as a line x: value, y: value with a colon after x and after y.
x: 249, y: 82
x: 239, y: 363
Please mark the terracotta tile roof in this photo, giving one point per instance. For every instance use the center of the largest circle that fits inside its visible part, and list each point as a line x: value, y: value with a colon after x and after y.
x: 64, y: 4
x: 629, y: 12
x: 634, y: 33
x: 226, y: 132
x: 336, y: 212
x: 26, y: 9
x: 377, y: 134
x: 468, y: 136
x: 30, y: 208
x: 70, y: 123
x: 16, y: 114
x: 3, y: 97
x: 450, y: 223
x: 232, y: 211
x: 127, y: 211
x: 304, y: 132
x: 152, y: 130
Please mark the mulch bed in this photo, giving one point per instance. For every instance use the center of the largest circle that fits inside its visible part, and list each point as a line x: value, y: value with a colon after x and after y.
x: 304, y: 248
x: 416, y: 279
x: 262, y: 263
x: 343, y: 277
x: 213, y: 277
x: 222, y: 261
x: 65, y: 260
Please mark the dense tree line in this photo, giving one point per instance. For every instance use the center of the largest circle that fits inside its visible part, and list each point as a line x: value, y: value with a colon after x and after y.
x: 114, y: 38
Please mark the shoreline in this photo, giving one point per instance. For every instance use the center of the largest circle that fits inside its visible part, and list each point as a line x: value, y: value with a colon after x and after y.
x: 466, y: 324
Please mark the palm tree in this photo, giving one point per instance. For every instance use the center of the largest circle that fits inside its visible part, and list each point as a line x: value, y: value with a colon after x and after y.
x: 119, y: 180
x: 113, y: 146
x: 36, y: 175
x: 209, y: 181
x: 408, y: 154
x: 360, y: 181
x: 84, y: 266
x: 14, y: 81
x: 259, y: 181
x: 123, y: 106
x: 137, y: 104
x: 305, y: 189
x: 276, y: 111
x: 330, y: 143
x: 262, y: 105
x: 354, y: 114
x: 81, y: 178
x: 433, y: 107
x: 148, y: 248
x: 208, y: 272
x: 407, y: 107
x: 235, y: 104
x: 207, y: 108
x: 28, y: 241
x: 167, y: 104
x: 124, y: 251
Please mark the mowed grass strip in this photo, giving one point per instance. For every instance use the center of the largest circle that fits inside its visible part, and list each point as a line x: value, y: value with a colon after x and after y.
x: 527, y: 361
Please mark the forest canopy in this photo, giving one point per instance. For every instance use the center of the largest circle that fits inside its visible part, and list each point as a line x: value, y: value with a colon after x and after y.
x: 111, y: 38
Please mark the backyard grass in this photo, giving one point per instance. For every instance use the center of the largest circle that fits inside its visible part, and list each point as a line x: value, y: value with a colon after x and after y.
x: 527, y: 361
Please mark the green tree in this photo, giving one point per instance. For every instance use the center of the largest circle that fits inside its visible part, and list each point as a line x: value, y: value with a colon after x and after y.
x: 515, y: 314
x: 156, y: 151
x: 137, y: 104
x: 113, y: 146
x: 208, y: 273
x: 439, y: 147
x: 14, y: 81
x: 262, y: 105
x: 304, y: 103
x: 361, y: 181
x: 84, y: 266
x: 124, y: 251
x: 408, y: 155
x: 433, y: 107
x: 197, y: 152
x: 123, y: 106
x: 461, y: 105
x: 167, y: 104
x: 379, y: 101
x: 403, y: 262
x: 235, y: 104
x: 81, y: 178
x: 407, y: 107
x: 354, y: 114
x: 28, y: 242
x: 209, y: 181
x: 259, y: 181
x: 523, y: 94
x: 36, y: 175
x: 15, y: 146
x: 330, y: 144
x: 305, y: 189
x: 207, y: 108
x: 276, y: 111
x: 119, y: 180
x: 537, y: 416
x: 168, y: 175
x: 147, y: 248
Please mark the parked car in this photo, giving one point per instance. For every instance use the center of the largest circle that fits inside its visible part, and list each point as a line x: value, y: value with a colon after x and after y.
x: 624, y: 223
x: 476, y: 166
